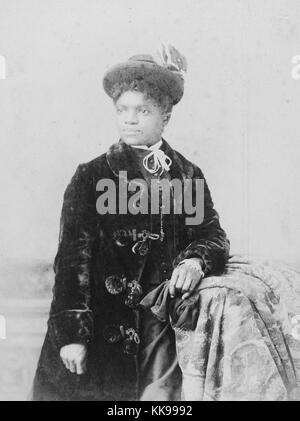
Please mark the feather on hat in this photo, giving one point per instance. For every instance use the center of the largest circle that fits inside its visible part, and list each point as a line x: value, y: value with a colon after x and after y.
x: 166, y: 70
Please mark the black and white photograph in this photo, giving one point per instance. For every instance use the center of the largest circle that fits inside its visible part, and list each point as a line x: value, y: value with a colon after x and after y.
x: 149, y: 217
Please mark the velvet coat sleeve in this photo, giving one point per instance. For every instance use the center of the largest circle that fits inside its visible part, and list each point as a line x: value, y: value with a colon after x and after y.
x: 71, y: 318
x: 208, y: 241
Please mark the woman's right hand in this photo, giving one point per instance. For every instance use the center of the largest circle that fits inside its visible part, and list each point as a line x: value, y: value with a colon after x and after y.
x: 74, y: 357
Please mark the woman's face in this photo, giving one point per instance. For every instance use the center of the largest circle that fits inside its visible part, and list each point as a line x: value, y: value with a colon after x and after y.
x: 140, y: 120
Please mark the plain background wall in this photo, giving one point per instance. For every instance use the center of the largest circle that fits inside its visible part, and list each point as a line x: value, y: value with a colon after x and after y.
x: 238, y: 119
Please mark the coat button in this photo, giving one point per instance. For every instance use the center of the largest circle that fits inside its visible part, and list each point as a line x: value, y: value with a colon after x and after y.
x: 115, y: 284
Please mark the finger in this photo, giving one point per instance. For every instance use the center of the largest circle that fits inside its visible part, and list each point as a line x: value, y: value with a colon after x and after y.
x: 72, y: 367
x: 181, y: 279
x: 66, y: 363
x: 173, y: 282
x: 195, y: 284
x: 187, y: 295
x: 187, y: 283
x: 80, y: 367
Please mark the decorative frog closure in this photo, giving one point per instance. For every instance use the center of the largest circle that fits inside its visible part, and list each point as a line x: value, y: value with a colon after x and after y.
x: 131, y: 289
x: 142, y: 247
x: 129, y: 337
x: 124, y: 237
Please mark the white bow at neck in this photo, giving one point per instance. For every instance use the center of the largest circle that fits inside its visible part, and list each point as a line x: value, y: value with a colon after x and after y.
x: 161, y: 161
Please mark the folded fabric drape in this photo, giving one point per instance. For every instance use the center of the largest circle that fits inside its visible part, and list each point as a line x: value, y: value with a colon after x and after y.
x: 236, y: 336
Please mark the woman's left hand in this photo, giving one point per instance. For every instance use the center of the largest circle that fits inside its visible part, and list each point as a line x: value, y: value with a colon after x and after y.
x: 186, y: 277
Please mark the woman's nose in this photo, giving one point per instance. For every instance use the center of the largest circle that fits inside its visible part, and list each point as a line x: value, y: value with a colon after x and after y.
x: 131, y: 118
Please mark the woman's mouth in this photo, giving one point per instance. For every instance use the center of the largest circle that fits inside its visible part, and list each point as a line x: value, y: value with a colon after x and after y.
x: 131, y: 131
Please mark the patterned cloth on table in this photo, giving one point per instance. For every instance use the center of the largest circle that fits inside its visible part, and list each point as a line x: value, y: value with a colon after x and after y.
x: 238, y: 336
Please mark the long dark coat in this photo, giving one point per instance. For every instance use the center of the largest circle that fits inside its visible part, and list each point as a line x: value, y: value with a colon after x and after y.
x: 95, y: 260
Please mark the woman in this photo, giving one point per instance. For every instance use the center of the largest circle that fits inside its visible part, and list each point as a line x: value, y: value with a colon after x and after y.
x: 114, y: 249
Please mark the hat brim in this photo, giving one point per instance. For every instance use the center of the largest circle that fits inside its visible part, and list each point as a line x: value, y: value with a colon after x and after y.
x: 169, y: 82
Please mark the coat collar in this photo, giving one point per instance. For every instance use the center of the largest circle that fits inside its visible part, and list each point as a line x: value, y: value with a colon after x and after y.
x: 121, y: 157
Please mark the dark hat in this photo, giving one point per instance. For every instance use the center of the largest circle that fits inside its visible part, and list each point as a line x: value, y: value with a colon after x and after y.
x: 167, y: 73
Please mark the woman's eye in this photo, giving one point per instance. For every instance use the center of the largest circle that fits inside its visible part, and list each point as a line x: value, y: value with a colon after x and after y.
x: 119, y: 110
x: 144, y: 111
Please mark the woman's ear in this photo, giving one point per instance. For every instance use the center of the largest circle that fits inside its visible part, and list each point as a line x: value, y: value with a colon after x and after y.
x: 166, y: 118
